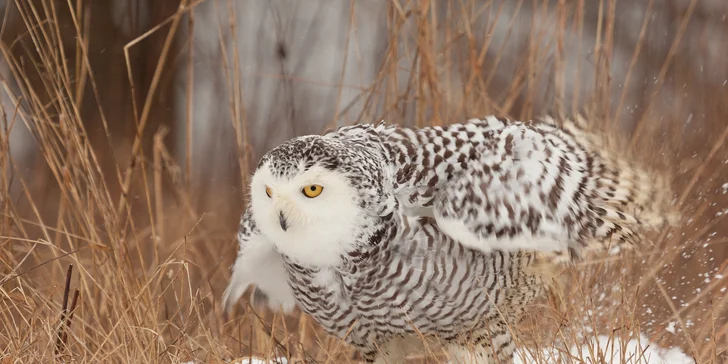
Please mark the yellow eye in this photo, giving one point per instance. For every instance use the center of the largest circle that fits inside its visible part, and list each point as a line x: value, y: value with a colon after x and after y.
x: 268, y: 191
x: 312, y: 191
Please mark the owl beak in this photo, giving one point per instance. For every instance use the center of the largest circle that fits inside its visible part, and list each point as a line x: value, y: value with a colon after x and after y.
x: 282, y: 221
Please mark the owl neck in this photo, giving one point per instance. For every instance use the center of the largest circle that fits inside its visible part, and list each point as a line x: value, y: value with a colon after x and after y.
x: 373, y: 248
x: 361, y: 249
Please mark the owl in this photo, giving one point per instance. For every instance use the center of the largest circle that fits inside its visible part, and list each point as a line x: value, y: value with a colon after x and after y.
x: 385, y: 234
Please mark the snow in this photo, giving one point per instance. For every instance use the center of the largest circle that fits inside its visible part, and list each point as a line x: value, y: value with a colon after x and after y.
x: 605, y: 351
x: 636, y: 351
x: 249, y: 361
x: 671, y: 327
x: 260, y: 361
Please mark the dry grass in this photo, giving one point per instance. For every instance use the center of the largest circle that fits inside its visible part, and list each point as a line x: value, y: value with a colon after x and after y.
x: 149, y: 265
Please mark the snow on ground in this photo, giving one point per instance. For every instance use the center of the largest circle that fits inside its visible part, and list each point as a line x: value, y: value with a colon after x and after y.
x: 259, y: 361
x: 249, y: 361
x: 636, y: 351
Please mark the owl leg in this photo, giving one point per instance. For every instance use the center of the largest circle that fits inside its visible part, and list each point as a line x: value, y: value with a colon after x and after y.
x: 469, y: 354
x: 494, y: 346
x: 395, y: 350
x: 390, y: 358
x: 384, y: 357
x: 477, y: 354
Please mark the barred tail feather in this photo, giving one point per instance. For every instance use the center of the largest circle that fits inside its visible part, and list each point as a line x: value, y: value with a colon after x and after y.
x: 628, y: 198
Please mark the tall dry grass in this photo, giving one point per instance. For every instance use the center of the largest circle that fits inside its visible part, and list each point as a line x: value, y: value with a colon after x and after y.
x: 107, y: 255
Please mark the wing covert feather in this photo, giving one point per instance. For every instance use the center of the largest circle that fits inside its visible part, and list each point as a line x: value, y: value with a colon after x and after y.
x: 502, y: 184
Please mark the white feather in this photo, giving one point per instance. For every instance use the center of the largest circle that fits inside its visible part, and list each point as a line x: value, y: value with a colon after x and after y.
x: 319, y: 229
x: 259, y: 264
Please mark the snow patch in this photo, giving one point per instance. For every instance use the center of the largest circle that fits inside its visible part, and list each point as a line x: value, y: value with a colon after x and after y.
x: 260, y: 361
x: 671, y: 327
x: 636, y: 351
x: 604, y: 350
x: 249, y: 361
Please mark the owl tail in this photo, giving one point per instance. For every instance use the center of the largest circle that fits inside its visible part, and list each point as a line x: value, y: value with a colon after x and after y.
x: 625, y: 199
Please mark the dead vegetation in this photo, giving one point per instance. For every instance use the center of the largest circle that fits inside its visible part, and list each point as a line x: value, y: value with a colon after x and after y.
x: 150, y: 250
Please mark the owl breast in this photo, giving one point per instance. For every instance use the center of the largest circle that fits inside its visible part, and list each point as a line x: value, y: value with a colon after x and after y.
x: 416, y: 281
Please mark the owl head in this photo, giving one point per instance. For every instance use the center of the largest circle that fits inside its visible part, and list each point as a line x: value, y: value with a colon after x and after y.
x: 317, y: 197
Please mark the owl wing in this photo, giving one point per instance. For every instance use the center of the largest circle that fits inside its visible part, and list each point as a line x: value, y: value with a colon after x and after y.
x: 258, y: 263
x: 546, y: 188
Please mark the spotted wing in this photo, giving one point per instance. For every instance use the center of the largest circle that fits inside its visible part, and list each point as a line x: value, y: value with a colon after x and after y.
x: 542, y: 187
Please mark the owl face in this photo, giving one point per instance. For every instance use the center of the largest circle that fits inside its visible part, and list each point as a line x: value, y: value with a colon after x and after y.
x: 304, y: 200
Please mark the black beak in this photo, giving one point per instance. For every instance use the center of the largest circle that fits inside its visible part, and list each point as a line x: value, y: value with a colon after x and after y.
x: 282, y: 220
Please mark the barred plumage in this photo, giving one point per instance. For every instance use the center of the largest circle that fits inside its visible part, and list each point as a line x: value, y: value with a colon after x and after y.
x: 441, y: 231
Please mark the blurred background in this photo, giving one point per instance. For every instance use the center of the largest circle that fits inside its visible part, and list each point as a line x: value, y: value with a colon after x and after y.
x: 287, y: 68
x: 129, y: 129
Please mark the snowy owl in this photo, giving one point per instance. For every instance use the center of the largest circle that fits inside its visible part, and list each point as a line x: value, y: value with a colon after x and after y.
x: 382, y: 233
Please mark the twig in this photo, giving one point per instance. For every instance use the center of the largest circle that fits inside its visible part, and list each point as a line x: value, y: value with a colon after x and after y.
x: 66, y: 290
x: 70, y: 317
x: 267, y: 329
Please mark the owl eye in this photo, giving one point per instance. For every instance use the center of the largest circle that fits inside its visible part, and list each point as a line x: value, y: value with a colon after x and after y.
x: 312, y: 191
x: 268, y: 191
